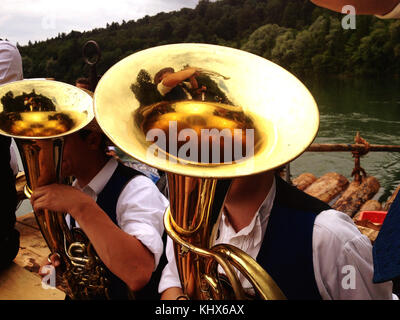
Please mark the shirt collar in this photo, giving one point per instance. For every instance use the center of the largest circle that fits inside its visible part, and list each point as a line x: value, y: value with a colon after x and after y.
x: 260, y: 219
x: 99, y: 181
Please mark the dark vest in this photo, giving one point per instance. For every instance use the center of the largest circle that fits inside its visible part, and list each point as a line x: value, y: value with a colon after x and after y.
x: 9, y: 236
x: 107, y: 201
x: 286, y: 251
x: 177, y: 93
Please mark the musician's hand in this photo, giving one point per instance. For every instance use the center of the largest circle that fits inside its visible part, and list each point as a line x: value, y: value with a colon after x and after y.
x: 54, y: 260
x: 60, y: 198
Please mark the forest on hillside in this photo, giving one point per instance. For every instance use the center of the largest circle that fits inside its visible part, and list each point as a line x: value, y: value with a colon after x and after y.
x: 296, y: 34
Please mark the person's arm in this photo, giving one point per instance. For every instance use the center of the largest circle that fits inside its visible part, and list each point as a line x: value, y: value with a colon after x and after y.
x: 140, y: 211
x: 342, y: 259
x: 372, y: 7
x: 172, y: 293
x: 173, y: 79
x: 118, y: 250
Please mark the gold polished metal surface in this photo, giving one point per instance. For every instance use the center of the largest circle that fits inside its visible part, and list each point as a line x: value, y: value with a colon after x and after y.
x: 38, y: 114
x: 256, y: 117
x: 281, y: 110
x: 43, y: 109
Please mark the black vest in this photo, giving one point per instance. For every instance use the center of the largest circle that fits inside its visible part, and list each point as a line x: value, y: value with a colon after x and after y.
x: 176, y: 94
x: 9, y: 236
x: 107, y: 201
x: 286, y: 251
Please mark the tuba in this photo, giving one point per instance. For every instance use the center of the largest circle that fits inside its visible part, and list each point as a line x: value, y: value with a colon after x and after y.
x: 38, y: 114
x: 239, y: 116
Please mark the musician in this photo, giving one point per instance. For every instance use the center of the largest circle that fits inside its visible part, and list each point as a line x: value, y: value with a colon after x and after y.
x: 10, y: 70
x: 119, y: 209
x: 386, y: 250
x: 310, y: 250
x: 179, y: 85
x: 82, y: 83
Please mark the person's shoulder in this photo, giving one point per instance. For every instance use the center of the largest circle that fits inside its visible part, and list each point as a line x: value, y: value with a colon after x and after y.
x: 336, y: 226
x: 142, y: 181
x: 7, y: 44
x: 7, y: 47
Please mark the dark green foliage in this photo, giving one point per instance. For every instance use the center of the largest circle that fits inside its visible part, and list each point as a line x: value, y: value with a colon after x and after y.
x: 26, y: 102
x: 305, y: 39
x: 145, y: 90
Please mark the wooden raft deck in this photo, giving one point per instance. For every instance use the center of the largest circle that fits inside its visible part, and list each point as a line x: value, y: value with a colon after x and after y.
x: 21, y: 280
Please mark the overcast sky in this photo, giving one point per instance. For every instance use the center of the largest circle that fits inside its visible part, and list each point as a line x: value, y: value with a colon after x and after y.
x: 35, y: 20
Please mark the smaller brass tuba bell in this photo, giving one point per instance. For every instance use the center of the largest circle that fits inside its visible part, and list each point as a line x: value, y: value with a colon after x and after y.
x: 38, y: 114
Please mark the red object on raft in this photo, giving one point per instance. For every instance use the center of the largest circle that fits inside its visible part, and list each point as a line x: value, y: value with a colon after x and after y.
x: 376, y: 217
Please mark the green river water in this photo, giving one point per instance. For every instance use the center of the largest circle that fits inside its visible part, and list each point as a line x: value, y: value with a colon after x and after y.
x: 346, y: 106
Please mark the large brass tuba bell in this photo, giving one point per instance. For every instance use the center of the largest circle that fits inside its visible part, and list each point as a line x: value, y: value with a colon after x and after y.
x: 249, y: 110
x: 38, y: 114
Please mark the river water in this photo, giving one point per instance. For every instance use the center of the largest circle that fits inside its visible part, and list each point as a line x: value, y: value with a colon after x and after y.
x: 371, y: 107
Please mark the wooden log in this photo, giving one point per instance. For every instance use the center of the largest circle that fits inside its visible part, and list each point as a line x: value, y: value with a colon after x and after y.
x: 327, y: 187
x: 370, y: 205
x: 391, y: 199
x: 356, y: 195
x: 304, y: 180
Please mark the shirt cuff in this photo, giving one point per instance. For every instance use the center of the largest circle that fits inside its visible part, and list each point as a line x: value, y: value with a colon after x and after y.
x: 162, y: 89
x: 394, y: 14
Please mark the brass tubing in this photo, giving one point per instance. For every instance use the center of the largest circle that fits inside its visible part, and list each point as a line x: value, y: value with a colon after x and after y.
x: 229, y: 271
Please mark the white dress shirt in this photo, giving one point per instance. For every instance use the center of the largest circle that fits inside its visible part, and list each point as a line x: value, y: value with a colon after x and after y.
x: 337, y: 244
x: 140, y: 207
x: 10, y: 63
x: 163, y: 89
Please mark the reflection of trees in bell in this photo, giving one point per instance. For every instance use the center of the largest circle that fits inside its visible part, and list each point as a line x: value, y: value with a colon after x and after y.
x: 145, y: 90
x: 213, y: 93
x: 26, y: 102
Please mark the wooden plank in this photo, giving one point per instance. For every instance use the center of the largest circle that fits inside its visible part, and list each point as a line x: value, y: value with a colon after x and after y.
x: 28, y: 220
x: 33, y: 248
x: 16, y: 283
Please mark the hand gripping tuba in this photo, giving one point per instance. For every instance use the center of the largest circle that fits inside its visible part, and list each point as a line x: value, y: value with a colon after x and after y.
x: 236, y: 115
x: 38, y: 114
